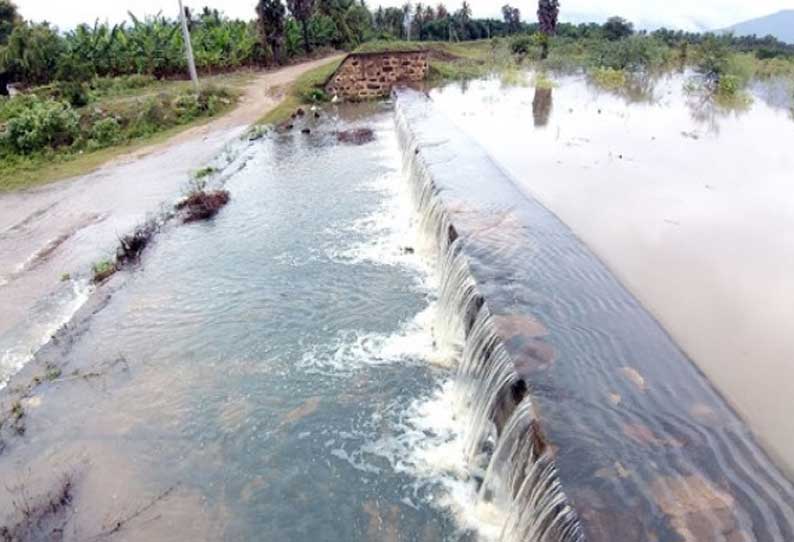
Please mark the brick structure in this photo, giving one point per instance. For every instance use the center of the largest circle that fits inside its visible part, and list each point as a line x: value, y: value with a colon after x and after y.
x: 366, y: 76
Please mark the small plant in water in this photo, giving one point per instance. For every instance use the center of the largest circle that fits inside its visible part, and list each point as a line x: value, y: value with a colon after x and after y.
x: 543, y: 81
x: 103, y: 270
x: 204, y: 172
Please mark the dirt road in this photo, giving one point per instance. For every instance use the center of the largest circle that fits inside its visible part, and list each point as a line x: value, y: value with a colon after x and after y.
x: 51, y: 236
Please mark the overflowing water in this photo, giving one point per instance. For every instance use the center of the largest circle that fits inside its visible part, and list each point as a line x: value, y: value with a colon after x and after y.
x: 293, y: 386
x: 381, y: 342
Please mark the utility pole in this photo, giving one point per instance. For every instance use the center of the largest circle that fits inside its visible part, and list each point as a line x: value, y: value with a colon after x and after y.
x: 188, y: 47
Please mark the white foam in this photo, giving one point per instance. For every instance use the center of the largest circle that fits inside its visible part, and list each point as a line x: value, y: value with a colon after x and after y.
x: 390, y: 233
x: 413, y: 342
x: 15, y: 358
x: 428, y: 443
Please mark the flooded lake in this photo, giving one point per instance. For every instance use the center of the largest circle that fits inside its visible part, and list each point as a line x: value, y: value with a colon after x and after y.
x: 689, y: 203
x: 401, y: 340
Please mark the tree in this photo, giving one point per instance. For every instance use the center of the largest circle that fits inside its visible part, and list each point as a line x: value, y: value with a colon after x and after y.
x: 270, y: 19
x: 441, y: 12
x: 407, y: 9
x: 303, y: 10
x: 32, y: 53
x: 463, y: 18
x: 512, y: 17
x: 617, y: 28
x: 8, y: 19
x: 548, y: 14
x: 418, y: 21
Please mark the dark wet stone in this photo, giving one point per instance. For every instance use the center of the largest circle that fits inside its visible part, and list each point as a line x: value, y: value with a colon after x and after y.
x: 358, y: 136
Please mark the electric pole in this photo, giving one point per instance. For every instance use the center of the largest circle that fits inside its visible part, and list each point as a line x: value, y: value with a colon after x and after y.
x: 191, y: 64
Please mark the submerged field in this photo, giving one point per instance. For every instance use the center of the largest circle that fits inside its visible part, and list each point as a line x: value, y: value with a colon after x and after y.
x: 683, y: 197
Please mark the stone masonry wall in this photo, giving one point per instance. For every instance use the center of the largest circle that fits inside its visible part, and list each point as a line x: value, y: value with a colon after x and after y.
x: 365, y: 76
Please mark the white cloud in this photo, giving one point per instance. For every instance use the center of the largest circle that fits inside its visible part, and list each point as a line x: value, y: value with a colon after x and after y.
x: 686, y: 14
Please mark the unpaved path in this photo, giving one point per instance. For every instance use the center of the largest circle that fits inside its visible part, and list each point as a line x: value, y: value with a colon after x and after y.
x: 65, y: 227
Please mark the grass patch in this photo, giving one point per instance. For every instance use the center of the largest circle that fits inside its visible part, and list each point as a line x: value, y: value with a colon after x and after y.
x: 123, y: 115
x: 306, y: 90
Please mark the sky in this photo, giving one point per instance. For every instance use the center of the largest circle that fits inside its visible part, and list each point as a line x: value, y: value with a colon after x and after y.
x: 683, y: 14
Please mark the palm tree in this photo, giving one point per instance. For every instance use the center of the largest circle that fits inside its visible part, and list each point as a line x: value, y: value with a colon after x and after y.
x: 548, y: 13
x: 303, y: 11
x: 270, y: 19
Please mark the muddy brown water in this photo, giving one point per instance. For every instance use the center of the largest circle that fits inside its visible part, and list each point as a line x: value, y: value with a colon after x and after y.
x: 646, y: 447
x: 246, y: 382
x: 687, y: 202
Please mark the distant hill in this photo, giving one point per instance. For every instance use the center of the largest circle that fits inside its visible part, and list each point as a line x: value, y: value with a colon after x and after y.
x: 780, y: 25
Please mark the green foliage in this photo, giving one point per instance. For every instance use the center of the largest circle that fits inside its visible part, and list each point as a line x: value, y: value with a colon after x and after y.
x: 712, y: 61
x: 608, y: 78
x: 204, y: 173
x: 8, y: 18
x: 617, y: 28
x: 522, y: 45
x: 633, y: 54
x: 103, y: 270
x: 105, y: 133
x: 44, y: 123
x: 32, y: 53
x: 74, y: 93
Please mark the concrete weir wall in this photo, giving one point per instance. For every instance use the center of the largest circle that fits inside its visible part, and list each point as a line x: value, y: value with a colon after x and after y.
x: 365, y: 76
x: 645, y: 447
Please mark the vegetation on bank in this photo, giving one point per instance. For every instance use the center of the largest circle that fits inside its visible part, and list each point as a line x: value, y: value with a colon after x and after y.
x: 44, y: 133
x: 306, y: 90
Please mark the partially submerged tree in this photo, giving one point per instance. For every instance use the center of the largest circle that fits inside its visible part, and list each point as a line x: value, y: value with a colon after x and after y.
x: 617, y: 28
x: 548, y: 15
x: 270, y: 19
x: 303, y: 10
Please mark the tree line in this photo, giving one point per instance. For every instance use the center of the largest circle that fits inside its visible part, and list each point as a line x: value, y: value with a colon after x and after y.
x: 280, y: 30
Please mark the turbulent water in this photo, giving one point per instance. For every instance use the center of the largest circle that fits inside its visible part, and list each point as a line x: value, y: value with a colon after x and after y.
x: 290, y: 370
x: 382, y: 342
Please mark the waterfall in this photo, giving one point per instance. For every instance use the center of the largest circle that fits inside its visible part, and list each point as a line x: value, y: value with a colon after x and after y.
x: 505, y: 447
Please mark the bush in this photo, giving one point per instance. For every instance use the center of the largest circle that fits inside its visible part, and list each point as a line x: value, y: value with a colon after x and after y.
x: 155, y: 114
x: 43, y: 124
x: 636, y: 53
x: 521, y: 45
x: 609, y: 78
x: 104, y: 133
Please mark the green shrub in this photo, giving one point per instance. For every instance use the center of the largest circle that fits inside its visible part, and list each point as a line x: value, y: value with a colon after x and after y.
x: 104, y: 133
x: 103, y: 270
x: 609, y: 78
x: 72, y: 92
x: 315, y: 95
x: 521, y: 45
x: 43, y: 124
x: 636, y: 53
x: 728, y: 85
